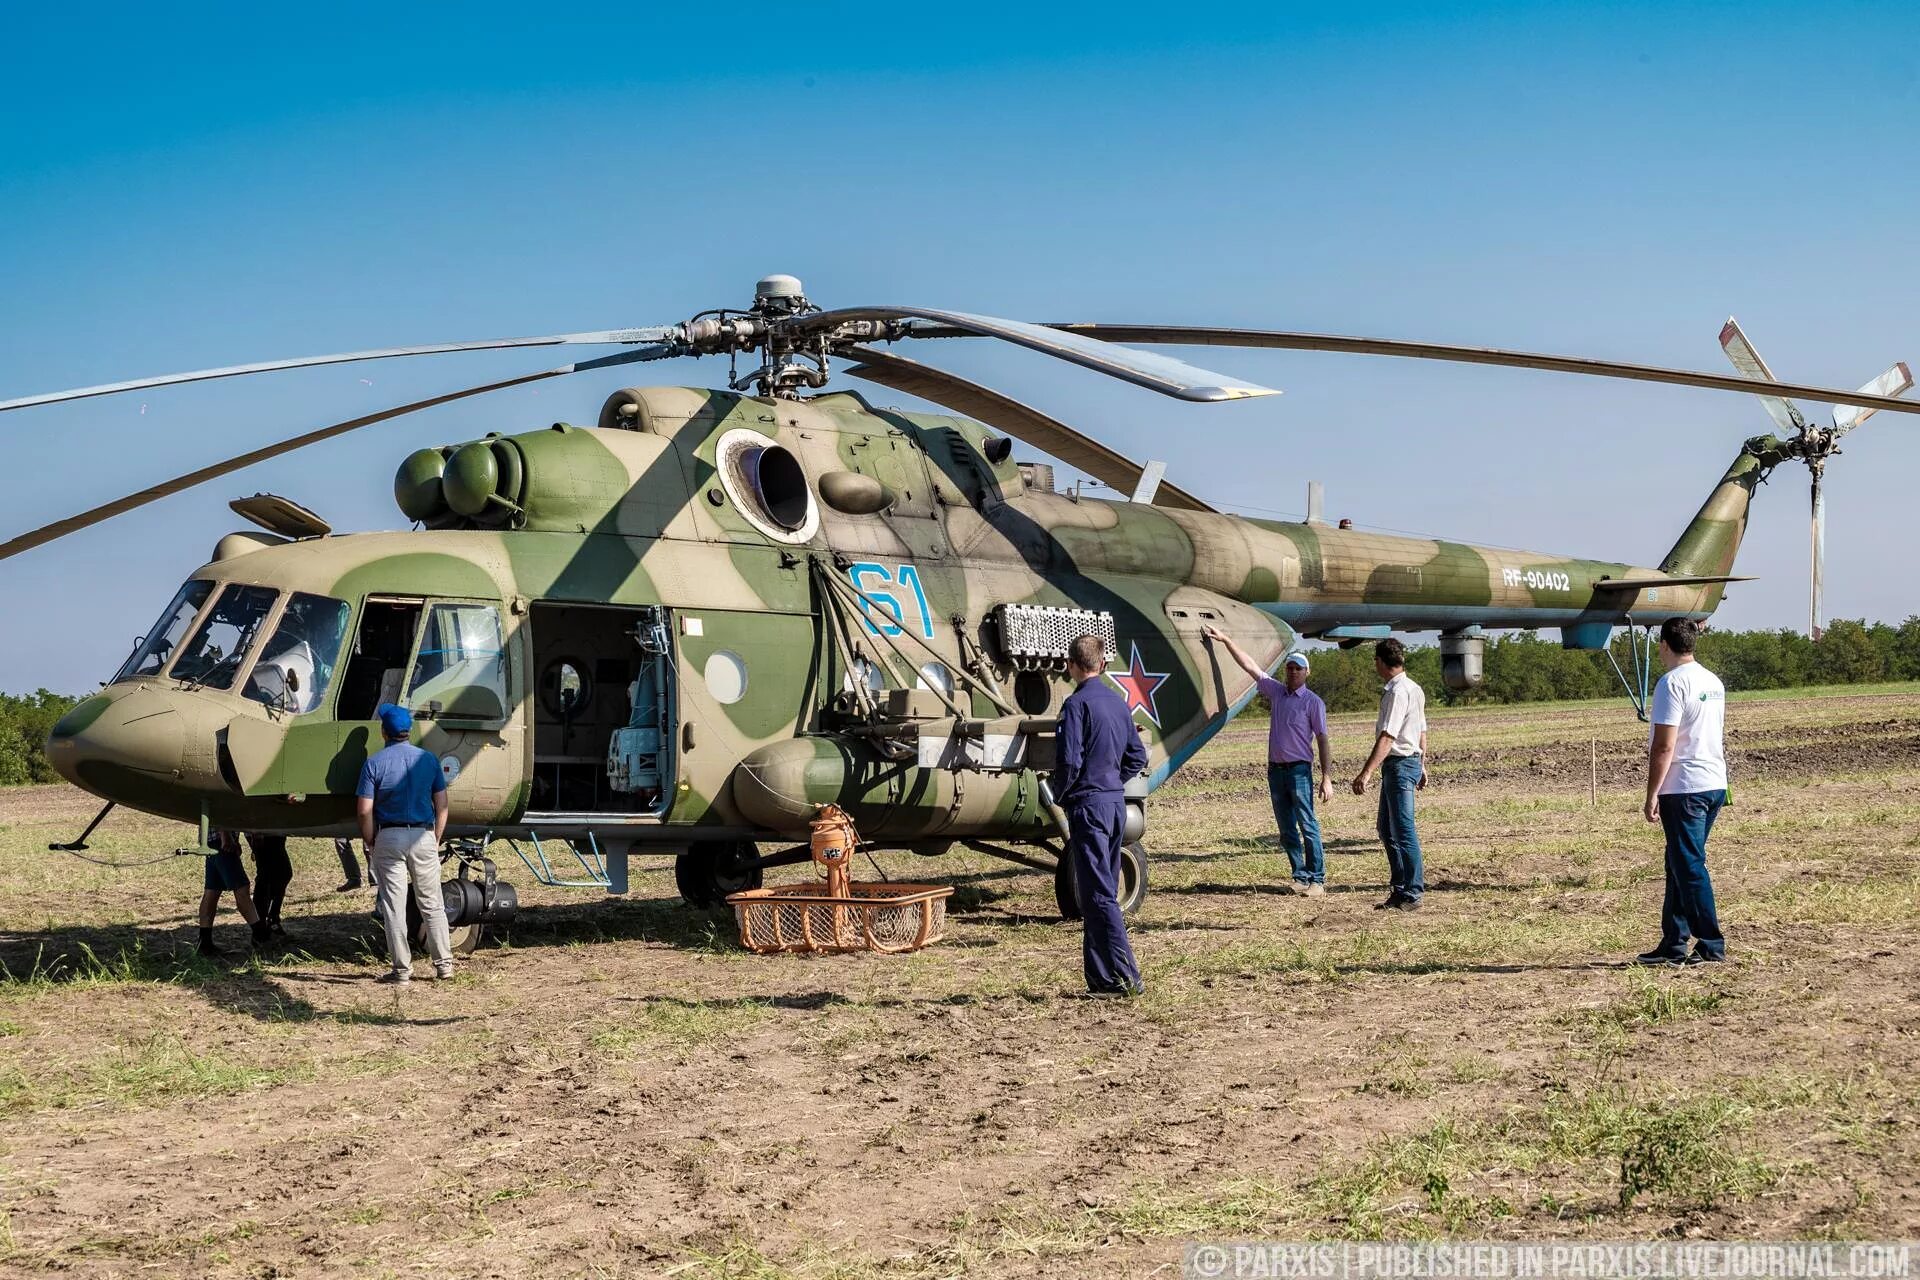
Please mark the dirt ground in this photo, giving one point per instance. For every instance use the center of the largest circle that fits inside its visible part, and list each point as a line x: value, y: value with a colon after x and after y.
x: 619, y: 1090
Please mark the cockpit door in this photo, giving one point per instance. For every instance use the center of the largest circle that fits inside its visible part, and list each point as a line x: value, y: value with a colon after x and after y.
x: 464, y: 685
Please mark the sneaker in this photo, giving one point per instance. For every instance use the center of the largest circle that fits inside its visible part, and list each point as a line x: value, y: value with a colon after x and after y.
x: 1315, y: 891
x: 1391, y: 902
x: 1656, y: 957
x: 1697, y: 956
x: 441, y: 975
x: 394, y: 978
x: 1298, y: 888
x: 1406, y: 904
x: 210, y: 951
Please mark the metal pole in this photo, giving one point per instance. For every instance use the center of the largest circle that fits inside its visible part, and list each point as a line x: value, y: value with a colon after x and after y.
x: 1593, y: 773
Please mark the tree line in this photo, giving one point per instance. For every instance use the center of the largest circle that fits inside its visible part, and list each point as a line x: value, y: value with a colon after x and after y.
x: 25, y: 722
x: 1521, y: 667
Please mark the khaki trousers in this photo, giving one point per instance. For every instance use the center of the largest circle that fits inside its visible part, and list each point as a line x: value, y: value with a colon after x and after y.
x: 400, y: 854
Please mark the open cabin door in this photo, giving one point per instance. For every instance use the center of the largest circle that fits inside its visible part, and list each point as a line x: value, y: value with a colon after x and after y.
x: 453, y: 662
x: 603, y: 696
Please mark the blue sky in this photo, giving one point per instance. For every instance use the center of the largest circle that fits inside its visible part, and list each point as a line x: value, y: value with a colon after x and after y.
x: 190, y: 187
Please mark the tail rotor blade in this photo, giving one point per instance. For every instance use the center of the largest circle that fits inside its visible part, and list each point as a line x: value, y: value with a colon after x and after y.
x: 133, y: 501
x: 1733, y: 340
x: 1896, y: 381
x: 602, y: 337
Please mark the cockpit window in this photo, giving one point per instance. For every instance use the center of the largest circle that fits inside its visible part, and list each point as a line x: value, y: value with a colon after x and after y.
x: 213, y: 654
x: 152, y: 652
x: 296, y: 664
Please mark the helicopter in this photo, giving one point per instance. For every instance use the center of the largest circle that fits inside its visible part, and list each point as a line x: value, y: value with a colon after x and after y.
x: 682, y: 628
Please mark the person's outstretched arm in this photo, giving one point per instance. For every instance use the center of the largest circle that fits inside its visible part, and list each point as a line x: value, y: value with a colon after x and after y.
x: 1239, y: 655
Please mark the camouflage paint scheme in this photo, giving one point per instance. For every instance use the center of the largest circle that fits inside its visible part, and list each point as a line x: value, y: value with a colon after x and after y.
x: 633, y: 512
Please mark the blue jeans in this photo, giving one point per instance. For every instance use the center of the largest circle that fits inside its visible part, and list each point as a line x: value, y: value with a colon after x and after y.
x: 1290, y: 787
x: 1688, y: 911
x: 1399, y: 776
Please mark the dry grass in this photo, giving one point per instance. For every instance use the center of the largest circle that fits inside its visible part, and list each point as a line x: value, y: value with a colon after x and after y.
x: 620, y: 1090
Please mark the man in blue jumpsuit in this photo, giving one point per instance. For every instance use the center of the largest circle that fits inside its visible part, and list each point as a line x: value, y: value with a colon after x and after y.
x: 1098, y: 750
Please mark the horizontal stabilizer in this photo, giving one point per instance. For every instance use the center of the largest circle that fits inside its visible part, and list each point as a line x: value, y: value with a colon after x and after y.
x: 1637, y: 584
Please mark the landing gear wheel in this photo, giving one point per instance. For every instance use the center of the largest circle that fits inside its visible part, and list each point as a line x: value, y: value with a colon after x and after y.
x: 1133, y: 882
x: 706, y: 873
x: 464, y: 939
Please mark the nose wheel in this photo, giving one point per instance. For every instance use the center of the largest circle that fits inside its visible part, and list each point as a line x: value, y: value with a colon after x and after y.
x: 1133, y: 882
x: 465, y: 939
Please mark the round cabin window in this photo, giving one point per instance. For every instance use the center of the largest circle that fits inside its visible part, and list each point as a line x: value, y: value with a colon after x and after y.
x: 726, y: 676
x: 767, y: 485
x: 935, y: 676
x: 1032, y: 692
x: 565, y: 688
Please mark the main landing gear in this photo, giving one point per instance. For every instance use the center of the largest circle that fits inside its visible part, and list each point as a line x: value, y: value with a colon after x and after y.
x: 706, y: 873
x: 1133, y: 882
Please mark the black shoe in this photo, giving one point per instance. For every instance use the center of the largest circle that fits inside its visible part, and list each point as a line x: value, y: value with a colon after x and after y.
x: 1696, y: 956
x: 1657, y: 958
x: 1391, y: 902
x: 210, y: 951
x: 1406, y: 903
x: 348, y: 887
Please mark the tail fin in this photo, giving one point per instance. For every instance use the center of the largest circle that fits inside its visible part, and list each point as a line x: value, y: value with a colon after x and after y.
x: 1708, y: 545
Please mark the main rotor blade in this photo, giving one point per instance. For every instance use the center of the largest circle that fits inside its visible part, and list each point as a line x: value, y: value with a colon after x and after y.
x: 1289, y: 341
x: 1020, y: 421
x: 1896, y: 381
x: 606, y: 337
x: 1142, y: 368
x: 1733, y: 341
x: 119, y: 506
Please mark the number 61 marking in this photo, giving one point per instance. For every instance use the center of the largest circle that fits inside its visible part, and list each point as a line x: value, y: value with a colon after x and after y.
x: 868, y: 578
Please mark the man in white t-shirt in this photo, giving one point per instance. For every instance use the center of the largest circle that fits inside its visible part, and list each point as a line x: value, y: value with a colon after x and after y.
x: 1686, y: 786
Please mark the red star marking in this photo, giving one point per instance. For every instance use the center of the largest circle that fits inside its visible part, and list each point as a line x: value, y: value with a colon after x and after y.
x: 1139, y: 685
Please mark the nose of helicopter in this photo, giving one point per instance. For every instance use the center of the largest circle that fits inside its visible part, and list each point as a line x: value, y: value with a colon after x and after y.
x: 120, y: 743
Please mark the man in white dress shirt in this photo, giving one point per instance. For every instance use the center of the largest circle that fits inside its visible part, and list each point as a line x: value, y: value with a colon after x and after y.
x: 1399, y: 752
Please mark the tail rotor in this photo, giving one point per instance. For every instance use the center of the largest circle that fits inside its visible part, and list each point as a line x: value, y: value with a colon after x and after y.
x: 1811, y: 444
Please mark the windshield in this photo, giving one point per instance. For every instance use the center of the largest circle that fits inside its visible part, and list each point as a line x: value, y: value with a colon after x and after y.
x: 152, y: 652
x: 296, y: 664
x: 213, y: 653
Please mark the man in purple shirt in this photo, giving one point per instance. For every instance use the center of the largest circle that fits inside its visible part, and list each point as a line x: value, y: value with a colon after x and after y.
x: 1299, y: 720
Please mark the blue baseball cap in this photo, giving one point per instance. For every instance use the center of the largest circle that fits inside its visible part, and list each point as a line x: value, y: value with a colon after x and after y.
x: 1296, y: 659
x: 395, y: 721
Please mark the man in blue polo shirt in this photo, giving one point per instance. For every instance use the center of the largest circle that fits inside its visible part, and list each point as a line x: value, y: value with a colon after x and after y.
x: 403, y: 815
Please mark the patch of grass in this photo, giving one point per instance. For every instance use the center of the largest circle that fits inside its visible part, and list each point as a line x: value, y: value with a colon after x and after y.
x: 154, y: 1070
x: 1397, y: 1065
x: 1680, y: 1152
x: 8, y: 1028
x: 682, y: 1023
x: 1653, y: 1001
x: 86, y: 968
